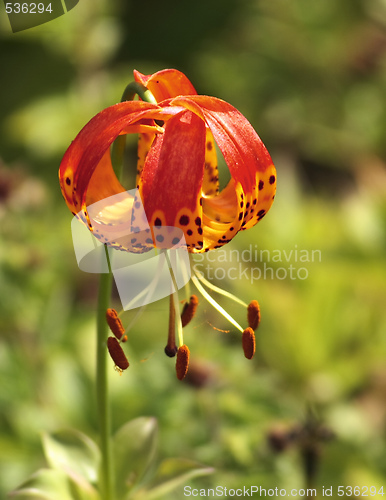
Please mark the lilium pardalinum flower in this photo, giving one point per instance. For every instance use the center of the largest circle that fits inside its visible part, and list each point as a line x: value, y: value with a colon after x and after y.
x: 177, y: 173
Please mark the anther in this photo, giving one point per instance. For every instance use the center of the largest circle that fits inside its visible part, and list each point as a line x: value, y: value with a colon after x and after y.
x: 249, y: 343
x: 115, y: 323
x: 189, y: 310
x: 117, y: 354
x: 253, y: 314
x: 182, y: 362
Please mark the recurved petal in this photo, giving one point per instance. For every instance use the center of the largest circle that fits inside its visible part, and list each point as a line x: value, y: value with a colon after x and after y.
x: 171, y: 180
x: 243, y: 150
x: 247, y: 158
x: 88, y: 148
x: 166, y: 83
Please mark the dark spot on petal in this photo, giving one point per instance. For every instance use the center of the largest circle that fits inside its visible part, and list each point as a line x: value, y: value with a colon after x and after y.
x: 209, y: 146
x: 240, y: 215
x: 159, y: 238
x: 241, y: 204
x: 133, y: 240
x: 261, y: 185
x: 189, y: 232
x: 255, y: 201
x: 260, y: 212
x: 175, y: 241
x: 247, y: 205
x: 184, y: 220
x: 158, y: 222
x: 198, y: 221
x: 149, y: 240
x: 68, y: 181
x: 137, y: 204
x: 199, y: 230
x: 272, y: 179
x: 232, y: 229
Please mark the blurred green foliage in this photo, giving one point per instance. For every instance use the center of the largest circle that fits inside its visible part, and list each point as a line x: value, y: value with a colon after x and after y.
x: 310, y: 76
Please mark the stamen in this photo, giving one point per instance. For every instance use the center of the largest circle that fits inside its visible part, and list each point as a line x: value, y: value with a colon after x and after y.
x: 249, y: 343
x: 117, y: 354
x: 182, y: 362
x: 171, y: 348
x: 219, y: 290
x: 253, y: 314
x: 189, y: 310
x: 217, y: 306
x: 115, y: 323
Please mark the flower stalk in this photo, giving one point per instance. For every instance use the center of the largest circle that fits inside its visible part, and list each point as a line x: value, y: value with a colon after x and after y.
x: 106, y: 474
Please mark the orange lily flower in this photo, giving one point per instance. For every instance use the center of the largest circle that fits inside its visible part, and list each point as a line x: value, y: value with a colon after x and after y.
x: 177, y: 166
x: 177, y: 189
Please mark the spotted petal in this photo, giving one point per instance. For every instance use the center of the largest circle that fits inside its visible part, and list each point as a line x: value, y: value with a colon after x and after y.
x: 163, y: 85
x: 251, y: 191
x: 88, y: 149
x: 170, y: 184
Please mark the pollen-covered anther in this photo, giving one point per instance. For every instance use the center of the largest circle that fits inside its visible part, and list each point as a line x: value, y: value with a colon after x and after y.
x: 117, y: 354
x: 189, y: 310
x: 253, y: 314
x: 249, y: 343
x: 182, y: 362
x: 115, y: 323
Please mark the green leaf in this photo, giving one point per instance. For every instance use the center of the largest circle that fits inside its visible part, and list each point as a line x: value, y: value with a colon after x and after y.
x: 82, y: 489
x: 134, y: 448
x: 45, y: 484
x: 74, y: 453
x: 172, y: 473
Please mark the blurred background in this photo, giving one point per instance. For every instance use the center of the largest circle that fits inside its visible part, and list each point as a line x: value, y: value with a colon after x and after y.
x: 311, y: 406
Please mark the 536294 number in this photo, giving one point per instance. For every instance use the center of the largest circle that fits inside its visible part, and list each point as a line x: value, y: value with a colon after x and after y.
x: 363, y: 491
x: 27, y: 8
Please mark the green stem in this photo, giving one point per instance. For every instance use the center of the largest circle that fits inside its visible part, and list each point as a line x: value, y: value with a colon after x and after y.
x: 106, y: 482
x: 137, y: 88
x: 106, y: 479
